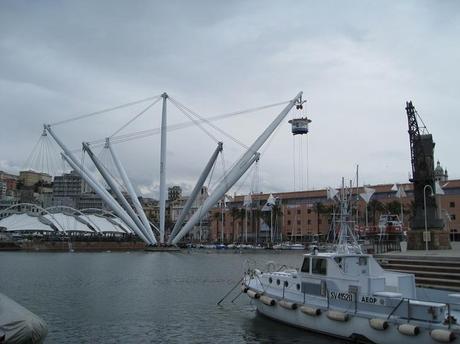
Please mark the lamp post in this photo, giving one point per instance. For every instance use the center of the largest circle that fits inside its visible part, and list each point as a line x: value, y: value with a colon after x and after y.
x: 424, y: 205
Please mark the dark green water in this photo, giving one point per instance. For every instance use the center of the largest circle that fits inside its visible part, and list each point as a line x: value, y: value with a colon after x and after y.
x: 138, y: 297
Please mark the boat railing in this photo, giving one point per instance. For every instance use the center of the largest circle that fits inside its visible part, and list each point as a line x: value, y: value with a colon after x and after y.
x: 449, y: 319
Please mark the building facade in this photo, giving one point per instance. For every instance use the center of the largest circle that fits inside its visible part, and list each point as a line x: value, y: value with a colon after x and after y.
x: 31, y: 178
x: 301, y: 216
x: 67, y: 189
x: 174, y: 193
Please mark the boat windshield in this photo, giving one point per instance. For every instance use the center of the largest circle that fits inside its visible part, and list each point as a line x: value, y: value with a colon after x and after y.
x: 319, y: 266
x: 306, y: 265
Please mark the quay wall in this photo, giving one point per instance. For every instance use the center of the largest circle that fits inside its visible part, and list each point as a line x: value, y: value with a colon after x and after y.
x: 84, y: 246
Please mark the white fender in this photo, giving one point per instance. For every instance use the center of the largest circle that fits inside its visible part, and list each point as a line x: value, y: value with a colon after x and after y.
x: 337, y: 315
x: 378, y: 324
x: 310, y: 310
x: 267, y: 300
x: 443, y: 336
x: 252, y: 294
x: 287, y: 304
x: 408, y: 329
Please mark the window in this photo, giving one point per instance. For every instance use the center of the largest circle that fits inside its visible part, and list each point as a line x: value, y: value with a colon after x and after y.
x: 278, y: 282
x: 339, y: 262
x: 453, y: 217
x: 289, y: 222
x: 452, y: 204
x: 362, y: 261
x: 270, y: 280
x: 286, y: 284
x: 298, y: 211
x: 309, y: 222
x: 289, y: 212
x: 319, y: 266
x: 305, y: 265
x: 298, y: 286
x: 309, y: 211
x: 298, y: 222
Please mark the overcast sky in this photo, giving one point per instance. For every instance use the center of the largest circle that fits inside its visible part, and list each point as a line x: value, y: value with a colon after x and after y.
x: 356, y: 61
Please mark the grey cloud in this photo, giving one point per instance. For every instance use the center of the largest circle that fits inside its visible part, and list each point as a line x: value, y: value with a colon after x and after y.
x: 358, y: 62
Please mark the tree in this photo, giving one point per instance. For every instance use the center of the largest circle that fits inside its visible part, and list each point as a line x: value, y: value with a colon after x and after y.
x: 241, y: 215
x: 234, y: 212
x: 375, y: 207
x: 394, y: 207
x: 319, y: 209
x: 257, y: 214
x: 217, y: 216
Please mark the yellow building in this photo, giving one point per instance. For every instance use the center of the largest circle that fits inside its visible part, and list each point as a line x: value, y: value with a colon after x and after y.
x: 30, y: 178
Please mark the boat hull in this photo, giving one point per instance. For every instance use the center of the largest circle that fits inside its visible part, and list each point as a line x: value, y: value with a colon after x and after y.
x: 354, y: 329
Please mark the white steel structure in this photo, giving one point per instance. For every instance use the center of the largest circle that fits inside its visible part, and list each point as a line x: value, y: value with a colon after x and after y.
x: 163, y: 171
x: 135, y: 219
x: 248, y: 158
x: 129, y: 187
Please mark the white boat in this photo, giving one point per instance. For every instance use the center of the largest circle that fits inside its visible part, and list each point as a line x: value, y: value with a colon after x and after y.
x: 288, y: 246
x: 347, y: 294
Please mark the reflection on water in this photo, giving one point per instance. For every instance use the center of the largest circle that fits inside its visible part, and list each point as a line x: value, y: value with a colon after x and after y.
x: 137, y: 297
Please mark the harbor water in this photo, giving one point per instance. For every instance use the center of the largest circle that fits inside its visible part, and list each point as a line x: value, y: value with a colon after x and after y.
x: 139, y: 297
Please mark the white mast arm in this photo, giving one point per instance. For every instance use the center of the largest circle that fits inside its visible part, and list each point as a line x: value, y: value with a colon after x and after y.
x: 196, y: 191
x: 102, y: 192
x: 121, y: 198
x: 163, y: 170
x: 107, y: 198
x: 236, y: 172
x: 225, y: 185
x: 124, y: 176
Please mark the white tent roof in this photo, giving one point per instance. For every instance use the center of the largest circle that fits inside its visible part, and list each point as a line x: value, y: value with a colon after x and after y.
x: 104, y: 225
x: 122, y: 224
x: 68, y: 223
x: 24, y: 222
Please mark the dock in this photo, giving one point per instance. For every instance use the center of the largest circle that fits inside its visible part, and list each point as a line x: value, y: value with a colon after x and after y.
x: 432, y: 269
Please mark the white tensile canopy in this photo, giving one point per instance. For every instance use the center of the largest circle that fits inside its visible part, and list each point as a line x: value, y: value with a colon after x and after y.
x: 24, y: 223
x: 67, y: 223
x: 121, y: 224
x: 104, y: 225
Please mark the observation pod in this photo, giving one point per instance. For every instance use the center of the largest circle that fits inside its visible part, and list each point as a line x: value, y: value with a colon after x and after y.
x: 299, y: 125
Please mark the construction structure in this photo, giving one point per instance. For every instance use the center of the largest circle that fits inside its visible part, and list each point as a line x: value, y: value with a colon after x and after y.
x: 427, y: 226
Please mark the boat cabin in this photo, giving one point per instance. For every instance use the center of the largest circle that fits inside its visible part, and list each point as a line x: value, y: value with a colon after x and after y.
x: 356, y: 271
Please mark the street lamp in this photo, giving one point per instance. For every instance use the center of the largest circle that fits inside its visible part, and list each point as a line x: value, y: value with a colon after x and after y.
x: 424, y: 205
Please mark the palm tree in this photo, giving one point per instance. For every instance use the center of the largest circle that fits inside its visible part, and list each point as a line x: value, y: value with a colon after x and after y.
x: 319, y: 209
x: 394, y: 207
x: 217, y: 216
x: 234, y: 212
x: 241, y: 215
x: 375, y: 207
x: 257, y: 214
